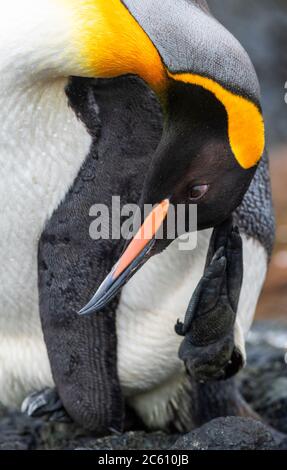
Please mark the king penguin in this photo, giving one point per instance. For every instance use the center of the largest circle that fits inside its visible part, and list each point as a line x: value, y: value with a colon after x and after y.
x: 155, y: 102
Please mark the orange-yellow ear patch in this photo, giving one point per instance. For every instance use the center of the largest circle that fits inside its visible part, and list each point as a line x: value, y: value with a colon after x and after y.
x: 245, y: 122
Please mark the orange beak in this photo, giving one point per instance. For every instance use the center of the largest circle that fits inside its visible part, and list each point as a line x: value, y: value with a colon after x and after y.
x: 135, y: 255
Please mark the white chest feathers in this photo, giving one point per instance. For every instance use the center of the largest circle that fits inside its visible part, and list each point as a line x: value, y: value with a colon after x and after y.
x: 42, y: 146
x: 156, y: 297
x: 150, y: 305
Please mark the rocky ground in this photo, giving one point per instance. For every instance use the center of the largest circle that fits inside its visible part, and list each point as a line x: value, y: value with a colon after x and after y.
x: 263, y: 383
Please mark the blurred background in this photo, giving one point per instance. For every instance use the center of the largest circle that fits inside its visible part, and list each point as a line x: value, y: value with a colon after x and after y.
x: 261, y: 26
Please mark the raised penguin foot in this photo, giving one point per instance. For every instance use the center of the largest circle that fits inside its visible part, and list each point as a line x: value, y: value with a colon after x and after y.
x: 208, y: 348
x: 45, y: 404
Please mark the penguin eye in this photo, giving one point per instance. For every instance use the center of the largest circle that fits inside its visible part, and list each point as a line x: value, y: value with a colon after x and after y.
x: 197, y: 192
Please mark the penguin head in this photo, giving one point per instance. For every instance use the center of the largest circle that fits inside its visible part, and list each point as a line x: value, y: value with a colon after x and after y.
x: 193, y: 165
x: 213, y: 133
x: 194, y: 162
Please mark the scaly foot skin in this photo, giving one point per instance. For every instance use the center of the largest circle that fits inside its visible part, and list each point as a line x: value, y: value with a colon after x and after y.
x: 208, y: 348
x: 45, y: 404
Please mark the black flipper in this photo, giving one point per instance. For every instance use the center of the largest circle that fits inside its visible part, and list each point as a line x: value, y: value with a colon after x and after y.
x: 208, y: 348
x: 83, y: 350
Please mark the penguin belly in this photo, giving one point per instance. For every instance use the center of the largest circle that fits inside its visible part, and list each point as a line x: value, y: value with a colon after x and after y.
x: 42, y: 148
x: 151, y: 374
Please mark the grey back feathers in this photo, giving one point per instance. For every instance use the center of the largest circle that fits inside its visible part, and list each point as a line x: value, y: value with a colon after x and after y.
x: 189, y: 39
x: 255, y: 216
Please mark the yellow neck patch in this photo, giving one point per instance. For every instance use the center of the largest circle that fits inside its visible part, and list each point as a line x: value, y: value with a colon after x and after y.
x: 110, y: 43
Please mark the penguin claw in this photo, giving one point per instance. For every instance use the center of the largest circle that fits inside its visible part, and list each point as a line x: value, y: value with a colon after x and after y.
x: 45, y: 404
x: 208, y: 348
x: 179, y: 328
